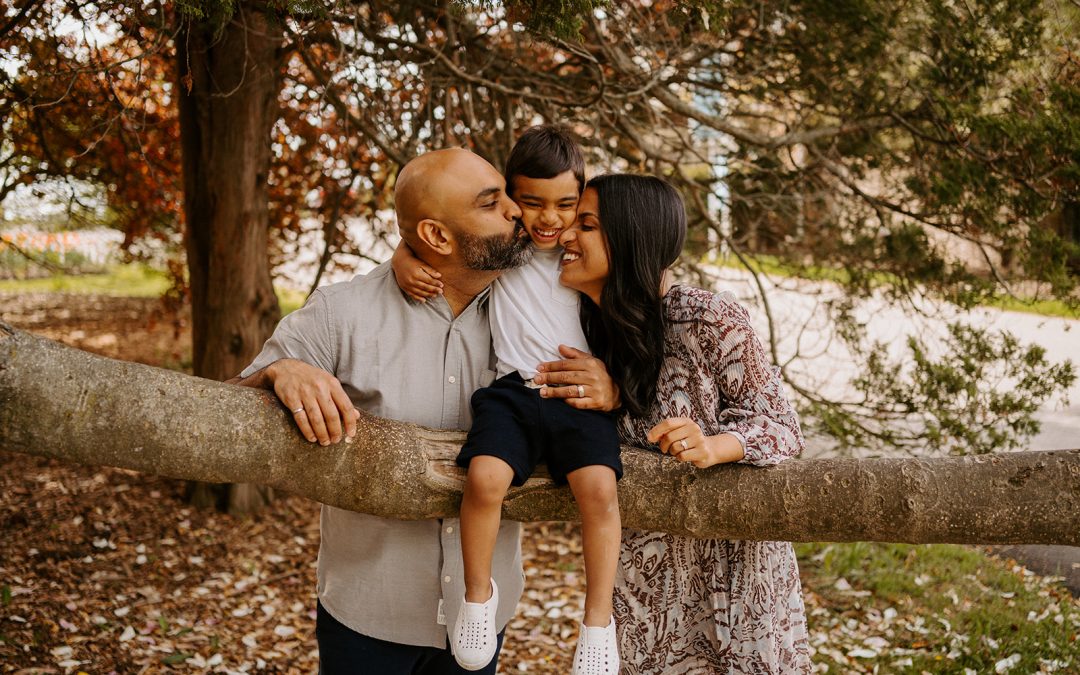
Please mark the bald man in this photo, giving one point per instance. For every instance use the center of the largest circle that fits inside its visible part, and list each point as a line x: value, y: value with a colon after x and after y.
x: 386, y: 587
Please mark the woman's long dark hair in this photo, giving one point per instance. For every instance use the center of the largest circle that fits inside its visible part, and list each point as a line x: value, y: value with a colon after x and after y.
x: 644, y: 222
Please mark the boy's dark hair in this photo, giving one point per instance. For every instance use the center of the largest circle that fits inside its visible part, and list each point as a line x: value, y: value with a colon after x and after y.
x: 543, y: 152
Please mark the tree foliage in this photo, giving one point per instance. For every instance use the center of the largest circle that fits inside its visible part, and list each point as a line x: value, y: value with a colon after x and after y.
x: 917, y: 153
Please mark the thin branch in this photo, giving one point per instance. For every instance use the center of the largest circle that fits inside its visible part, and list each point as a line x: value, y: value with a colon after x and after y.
x: 6, y: 242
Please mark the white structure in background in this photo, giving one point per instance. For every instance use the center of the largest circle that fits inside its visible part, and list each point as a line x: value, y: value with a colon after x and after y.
x: 97, y: 246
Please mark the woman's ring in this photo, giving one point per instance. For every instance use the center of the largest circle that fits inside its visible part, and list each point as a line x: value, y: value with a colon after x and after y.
x: 685, y: 447
x: 298, y: 410
x: 581, y: 391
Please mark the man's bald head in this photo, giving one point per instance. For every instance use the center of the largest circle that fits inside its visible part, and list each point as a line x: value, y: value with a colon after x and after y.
x: 453, y: 210
x: 436, y: 184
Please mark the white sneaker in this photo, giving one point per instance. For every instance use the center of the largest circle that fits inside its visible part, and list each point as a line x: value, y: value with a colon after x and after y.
x: 597, y: 651
x: 475, y: 638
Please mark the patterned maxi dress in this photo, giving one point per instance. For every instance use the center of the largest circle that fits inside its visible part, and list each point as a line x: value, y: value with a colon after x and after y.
x: 686, y: 605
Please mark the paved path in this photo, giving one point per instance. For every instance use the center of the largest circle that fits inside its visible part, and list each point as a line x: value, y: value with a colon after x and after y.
x: 1056, y: 561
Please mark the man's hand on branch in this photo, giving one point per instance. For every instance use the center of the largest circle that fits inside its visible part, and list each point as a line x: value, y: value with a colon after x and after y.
x: 319, y: 405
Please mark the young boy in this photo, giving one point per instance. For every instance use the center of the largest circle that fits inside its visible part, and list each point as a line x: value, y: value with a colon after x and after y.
x: 514, y: 427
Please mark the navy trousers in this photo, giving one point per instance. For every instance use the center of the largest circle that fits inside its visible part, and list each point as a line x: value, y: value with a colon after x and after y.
x: 343, y: 651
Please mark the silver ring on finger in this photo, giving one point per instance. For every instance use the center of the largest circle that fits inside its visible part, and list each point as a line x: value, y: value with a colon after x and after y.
x: 298, y: 410
x: 682, y: 442
x: 581, y: 391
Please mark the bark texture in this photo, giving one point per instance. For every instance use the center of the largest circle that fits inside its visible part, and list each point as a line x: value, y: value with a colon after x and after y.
x: 227, y: 88
x: 63, y: 403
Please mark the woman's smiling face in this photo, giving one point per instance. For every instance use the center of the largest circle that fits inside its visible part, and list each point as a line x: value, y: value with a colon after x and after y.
x: 585, y: 263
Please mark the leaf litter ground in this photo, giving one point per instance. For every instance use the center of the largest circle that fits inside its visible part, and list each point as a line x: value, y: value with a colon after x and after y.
x: 105, y: 570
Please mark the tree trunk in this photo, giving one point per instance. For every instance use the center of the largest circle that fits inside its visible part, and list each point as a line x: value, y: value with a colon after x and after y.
x: 63, y: 403
x: 227, y: 89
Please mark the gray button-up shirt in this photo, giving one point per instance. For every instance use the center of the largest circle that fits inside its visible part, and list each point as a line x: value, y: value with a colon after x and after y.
x: 395, y: 580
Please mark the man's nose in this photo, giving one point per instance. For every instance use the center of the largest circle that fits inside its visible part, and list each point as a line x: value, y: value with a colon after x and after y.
x: 513, y: 211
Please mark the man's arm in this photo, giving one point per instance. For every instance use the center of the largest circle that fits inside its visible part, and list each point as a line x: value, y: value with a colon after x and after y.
x: 318, y: 403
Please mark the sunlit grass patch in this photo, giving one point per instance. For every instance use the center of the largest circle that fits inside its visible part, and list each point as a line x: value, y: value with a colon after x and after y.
x: 131, y: 280
x: 774, y: 266
x: 290, y: 299
x: 128, y: 280
x: 936, y: 608
x: 1043, y: 307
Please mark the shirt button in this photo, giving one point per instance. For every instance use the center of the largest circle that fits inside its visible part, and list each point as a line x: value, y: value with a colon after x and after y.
x: 451, y: 379
x: 450, y: 529
x: 446, y: 579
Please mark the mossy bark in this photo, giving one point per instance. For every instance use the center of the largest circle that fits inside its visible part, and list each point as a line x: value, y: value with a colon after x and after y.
x: 63, y: 403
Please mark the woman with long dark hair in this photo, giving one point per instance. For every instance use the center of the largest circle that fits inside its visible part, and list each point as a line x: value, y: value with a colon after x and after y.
x: 696, y: 383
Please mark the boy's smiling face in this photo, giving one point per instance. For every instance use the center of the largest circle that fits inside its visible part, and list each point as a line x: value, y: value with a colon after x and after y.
x: 548, y: 206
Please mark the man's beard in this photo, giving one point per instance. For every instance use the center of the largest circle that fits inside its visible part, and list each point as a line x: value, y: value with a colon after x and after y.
x: 495, y: 252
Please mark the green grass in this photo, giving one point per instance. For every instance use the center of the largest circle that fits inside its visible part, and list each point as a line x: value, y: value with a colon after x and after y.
x: 774, y: 266
x: 289, y: 299
x: 777, y: 267
x: 138, y: 280
x: 1043, y: 307
x: 955, y: 609
x: 131, y: 280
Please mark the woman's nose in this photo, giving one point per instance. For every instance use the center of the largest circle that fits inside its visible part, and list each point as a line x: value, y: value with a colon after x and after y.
x: 569, y: 234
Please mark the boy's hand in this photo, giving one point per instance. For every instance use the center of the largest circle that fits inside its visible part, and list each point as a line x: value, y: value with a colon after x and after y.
x: 422, y: 283
x: 418, y: 280
x: 580, y: 379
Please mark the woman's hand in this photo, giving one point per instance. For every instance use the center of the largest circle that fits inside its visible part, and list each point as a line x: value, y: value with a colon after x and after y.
x: 581, y: 379
x: 683, y: 439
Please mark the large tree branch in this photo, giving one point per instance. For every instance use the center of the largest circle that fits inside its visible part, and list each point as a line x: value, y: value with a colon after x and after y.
x: 63, y: 403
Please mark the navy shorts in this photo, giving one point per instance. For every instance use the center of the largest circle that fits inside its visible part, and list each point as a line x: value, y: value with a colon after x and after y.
x: 514, y: 423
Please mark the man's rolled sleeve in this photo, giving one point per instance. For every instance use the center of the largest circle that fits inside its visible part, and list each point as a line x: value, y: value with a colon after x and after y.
x: 305, y: 335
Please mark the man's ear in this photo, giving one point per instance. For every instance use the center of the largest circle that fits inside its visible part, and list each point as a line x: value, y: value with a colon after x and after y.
x: 435, y: 235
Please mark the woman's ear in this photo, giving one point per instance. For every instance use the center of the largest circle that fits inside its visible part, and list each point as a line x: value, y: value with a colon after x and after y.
x: 435, y: 236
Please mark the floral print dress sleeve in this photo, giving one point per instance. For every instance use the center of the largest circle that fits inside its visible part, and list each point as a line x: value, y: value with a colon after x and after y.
x: 750, y: 400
